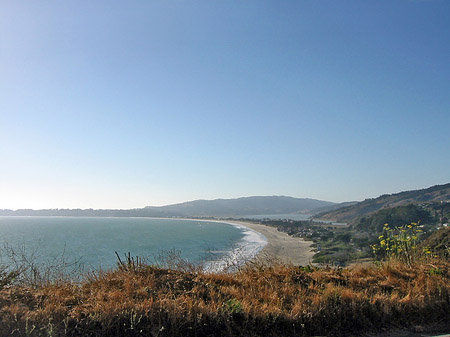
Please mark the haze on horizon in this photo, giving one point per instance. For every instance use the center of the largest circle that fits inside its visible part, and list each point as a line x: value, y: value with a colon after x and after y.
x: 123, y: 105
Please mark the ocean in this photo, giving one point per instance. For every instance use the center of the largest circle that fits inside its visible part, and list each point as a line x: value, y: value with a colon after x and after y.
x: 93, y: 241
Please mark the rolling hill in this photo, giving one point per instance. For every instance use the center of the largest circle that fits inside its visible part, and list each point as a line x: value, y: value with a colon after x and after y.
x: 351, y: 213
x: 257, y: 205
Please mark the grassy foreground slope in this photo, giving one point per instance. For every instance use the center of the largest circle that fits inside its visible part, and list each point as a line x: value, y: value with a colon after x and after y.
x: 258, y: 300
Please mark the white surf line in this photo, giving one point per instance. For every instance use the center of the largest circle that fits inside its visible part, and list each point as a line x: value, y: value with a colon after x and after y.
x: 247, y: 248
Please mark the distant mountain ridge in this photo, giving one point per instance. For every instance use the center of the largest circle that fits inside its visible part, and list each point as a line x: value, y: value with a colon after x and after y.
x: 368, y: 206
x: 256, y: 205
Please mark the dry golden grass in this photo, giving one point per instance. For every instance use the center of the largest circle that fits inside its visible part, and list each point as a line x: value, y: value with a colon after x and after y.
x: 258, y: 300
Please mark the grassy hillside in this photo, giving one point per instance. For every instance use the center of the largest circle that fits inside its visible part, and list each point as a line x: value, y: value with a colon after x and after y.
x: 258, y: 300
x: 353, y: 212
x: 439, y: 241
x: 395, y: 216
x: 334, y: 207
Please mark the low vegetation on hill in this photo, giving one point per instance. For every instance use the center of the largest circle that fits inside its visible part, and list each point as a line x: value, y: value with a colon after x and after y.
x: 259, y: 300
x: 396, y: 216
x: 439, y: 242
x: 334, y: 244
x: 410, y: 285
x: 352, y: 213
x: 341, y: 245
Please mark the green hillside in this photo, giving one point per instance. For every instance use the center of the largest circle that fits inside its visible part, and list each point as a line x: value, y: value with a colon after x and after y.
x: 352, y: 213
x: 396, y: 216
x: 439, y: 241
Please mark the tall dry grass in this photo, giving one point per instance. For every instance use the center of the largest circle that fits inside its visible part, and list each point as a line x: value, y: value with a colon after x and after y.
x: 261, y: 299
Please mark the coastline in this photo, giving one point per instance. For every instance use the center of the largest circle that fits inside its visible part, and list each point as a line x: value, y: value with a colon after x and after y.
x: 265, y: 243
x: 279, y: 245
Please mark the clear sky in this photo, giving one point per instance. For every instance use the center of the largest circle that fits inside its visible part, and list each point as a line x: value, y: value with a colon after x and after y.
x: 124, y: 104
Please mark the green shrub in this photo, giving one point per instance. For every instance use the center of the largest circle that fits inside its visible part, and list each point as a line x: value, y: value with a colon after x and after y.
x: 400, y: 242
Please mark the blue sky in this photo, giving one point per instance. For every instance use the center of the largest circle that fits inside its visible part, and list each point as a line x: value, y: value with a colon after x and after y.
x: 112, y: 104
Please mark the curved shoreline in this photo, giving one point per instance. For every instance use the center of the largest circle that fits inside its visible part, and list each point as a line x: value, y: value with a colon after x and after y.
x: 287, y: 249
x: 279, y: 245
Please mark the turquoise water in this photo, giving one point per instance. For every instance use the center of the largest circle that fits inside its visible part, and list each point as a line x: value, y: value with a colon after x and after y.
x: 93, y: 241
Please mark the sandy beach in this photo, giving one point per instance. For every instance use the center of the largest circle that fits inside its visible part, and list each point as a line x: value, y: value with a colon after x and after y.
x: 282, y: 246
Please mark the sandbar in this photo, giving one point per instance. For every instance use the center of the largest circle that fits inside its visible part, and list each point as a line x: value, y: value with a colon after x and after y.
x: 281, y: 246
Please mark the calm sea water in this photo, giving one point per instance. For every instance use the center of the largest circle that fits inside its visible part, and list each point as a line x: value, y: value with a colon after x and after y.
x: 93, y: 241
